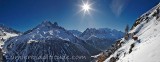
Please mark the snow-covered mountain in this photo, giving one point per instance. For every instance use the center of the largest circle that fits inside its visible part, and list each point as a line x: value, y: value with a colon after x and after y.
x: 102, y: 37
x: 75, y: 32
x: 6, y: 32
x: 141, y: 44
x: 51, y: 41
x: 101, y: 33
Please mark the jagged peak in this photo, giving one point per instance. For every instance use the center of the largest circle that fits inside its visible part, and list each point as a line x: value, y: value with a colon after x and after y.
x: 90, y: 29
x: 55, y: 23
x: 94, y: 29
x: 48, y: 24
x: 45, y: 24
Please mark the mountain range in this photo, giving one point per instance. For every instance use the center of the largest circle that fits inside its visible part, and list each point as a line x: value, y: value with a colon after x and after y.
x: 49, y: 40
x: 101, y: 38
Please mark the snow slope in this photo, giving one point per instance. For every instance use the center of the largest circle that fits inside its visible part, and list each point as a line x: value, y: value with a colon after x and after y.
x: 146, y: 47
x: 6, y: 33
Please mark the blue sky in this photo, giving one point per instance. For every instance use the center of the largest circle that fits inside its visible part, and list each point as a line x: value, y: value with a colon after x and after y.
x: 23, y: 15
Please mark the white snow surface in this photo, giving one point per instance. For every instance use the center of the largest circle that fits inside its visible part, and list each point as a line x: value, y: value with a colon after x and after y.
x: 148, y: 48
x: 5, y: 37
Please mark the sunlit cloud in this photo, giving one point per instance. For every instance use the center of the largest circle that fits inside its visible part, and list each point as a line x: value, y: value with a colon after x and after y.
x: 118, y: 6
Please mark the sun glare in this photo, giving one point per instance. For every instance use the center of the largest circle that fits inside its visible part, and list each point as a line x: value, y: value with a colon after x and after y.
x: 86, y: 7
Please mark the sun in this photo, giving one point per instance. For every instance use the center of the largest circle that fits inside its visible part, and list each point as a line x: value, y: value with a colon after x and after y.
x: 86, y: 7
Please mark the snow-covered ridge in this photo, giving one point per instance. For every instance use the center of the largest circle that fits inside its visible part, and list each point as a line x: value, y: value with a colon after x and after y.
x: 141, y: 44
x: 4, y: 28
x: 6, y: 33
x: 101, y: 33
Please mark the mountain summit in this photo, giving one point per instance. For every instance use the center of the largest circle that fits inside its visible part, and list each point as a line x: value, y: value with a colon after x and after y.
x: 48, y: 24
